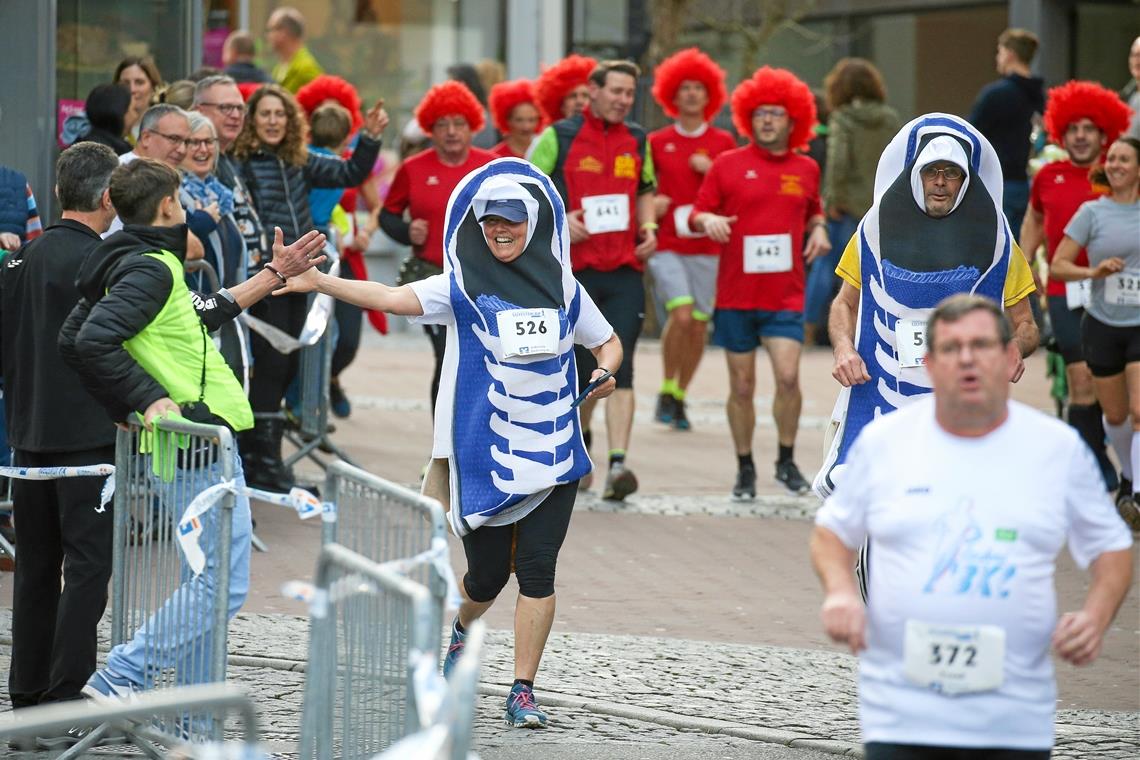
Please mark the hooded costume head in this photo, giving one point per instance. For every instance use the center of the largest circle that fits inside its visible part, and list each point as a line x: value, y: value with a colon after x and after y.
x: 520, y: 434
x: 447, y: 99
x: 775, y: 87
x: 909, y: 261
x: 556, y: 82
x: 505, y: 96
x: 1078, y: 100
x: 689, y: 65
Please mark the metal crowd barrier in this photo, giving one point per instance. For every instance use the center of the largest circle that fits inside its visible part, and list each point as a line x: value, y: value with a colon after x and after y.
x: 369, y: 626
x: 385, y: 522
x: 312, y: 433
x: 136, y: 718
x: 174, y: 622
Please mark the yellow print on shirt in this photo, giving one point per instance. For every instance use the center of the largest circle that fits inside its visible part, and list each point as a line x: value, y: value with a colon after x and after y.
x: 790, y: 185
x: 590, y: 164
x: 625, y: 167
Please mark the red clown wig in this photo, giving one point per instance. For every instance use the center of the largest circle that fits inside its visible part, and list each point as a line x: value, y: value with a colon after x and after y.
x: 1077, y: 100
x: 329, y: 87
x: 248, y: 88
x: 775, y: 87
x: 505, y: 96
x: 450, y: 97
x: 689, y: 65
x: 556, y: 82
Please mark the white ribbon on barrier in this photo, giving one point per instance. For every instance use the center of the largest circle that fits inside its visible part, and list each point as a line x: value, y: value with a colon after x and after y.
x: 316, y: 321
x: 190, y: 528
x: 79, y: 471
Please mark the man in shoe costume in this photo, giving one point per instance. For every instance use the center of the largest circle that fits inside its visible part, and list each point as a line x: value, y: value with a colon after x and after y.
x: 908, y: 260
x: 508, y: 448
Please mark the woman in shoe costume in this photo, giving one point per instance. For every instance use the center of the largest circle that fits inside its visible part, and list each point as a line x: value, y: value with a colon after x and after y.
x: 508, y: 448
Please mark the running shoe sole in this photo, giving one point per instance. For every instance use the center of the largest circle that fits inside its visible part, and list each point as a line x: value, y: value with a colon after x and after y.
x: 620, y: 487
x: 530, y: 721
x: 1129, y: 510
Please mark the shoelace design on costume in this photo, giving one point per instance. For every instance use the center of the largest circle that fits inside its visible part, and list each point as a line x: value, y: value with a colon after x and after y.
x: 523, y: 700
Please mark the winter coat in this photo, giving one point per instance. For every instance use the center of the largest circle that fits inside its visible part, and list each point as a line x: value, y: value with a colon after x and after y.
x: 857, y: 133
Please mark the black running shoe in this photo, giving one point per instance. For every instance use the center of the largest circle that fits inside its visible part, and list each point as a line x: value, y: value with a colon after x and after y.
x: 666, y: 405
x: 788, y: 474
x: 680, y: 420
x: 745, y: 488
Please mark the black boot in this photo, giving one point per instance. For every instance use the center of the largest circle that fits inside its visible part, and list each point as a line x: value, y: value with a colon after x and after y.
x: 263, y: 466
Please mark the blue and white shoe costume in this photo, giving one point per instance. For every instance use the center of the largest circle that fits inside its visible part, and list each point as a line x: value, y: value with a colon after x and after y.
x: 504, y: 422
x: 909, y: 262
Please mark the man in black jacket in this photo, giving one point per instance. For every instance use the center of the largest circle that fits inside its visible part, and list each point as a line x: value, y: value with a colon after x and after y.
x: 52, y: 422
x: 138, y: 339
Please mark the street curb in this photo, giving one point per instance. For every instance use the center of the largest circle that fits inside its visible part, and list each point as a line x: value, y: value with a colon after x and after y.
x: 689, y: 723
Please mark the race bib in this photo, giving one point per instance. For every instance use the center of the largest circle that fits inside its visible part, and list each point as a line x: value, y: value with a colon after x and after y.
x: 681, y: 222
x: 954, y: 659
x: 767, y: 253
x: 606, y: 213
x: 1123, y: 288
x: 1077, y: 294
x: 528, y: 332
x: 910, y: 340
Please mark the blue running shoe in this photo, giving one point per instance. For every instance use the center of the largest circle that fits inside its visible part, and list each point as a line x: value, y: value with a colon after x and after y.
x: 105, y: 685
x: 522, y: 711
x: 454, y: 649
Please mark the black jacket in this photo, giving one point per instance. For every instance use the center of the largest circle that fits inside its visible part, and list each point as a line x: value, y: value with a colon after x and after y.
x: 1003, y: 113
x: 281, y: 191
x: 48, y: 409
x: 103, y: 137
x: 121, y: 292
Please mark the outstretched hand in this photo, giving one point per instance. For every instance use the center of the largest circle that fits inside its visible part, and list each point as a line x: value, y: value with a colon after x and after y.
x: 376, y: 120
x: 300, y: 256
x: 306, y: 282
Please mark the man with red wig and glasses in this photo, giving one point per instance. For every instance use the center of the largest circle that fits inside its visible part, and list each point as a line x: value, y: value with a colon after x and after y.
x: 689, y: 87
x: 561, y: 90
x: 759, y: 202
x: 1083, y: 118
x: 603, y: 170
x: 413, y: 212
x: 515, y: 113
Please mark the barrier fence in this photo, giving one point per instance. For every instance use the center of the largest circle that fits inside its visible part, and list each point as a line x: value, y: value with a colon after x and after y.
x: 369, y: 625
x: 386, y: 522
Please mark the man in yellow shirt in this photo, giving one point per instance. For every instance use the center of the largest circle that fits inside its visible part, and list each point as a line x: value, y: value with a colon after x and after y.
x: 936, y: 228
x: 296, y: 66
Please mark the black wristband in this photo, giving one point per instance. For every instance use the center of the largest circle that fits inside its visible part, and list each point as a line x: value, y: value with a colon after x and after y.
x: 280, y: 276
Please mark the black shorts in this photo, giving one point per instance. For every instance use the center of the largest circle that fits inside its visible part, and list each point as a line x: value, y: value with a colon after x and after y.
x: 1066, y: 329
x: 620, y: 296
x: 1108, y: 348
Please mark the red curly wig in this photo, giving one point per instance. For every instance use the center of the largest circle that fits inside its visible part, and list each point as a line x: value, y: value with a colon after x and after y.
x: 1085, y: 100
x: 505, y: 96
x: 248, y: 88
x: 450, y: 97
x: 689, y: 64
x: 769, y: 86
x: 554, y: 83
x: 329, y: 87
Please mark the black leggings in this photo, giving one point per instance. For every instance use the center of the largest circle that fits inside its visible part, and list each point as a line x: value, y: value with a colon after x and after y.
x: 273, y: 371
x: 437, y: 334
x: 890, y: 751
x: 349, y: 319
x: 529, y: 547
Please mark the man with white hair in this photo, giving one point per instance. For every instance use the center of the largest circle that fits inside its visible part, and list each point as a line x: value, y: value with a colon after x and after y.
x: 936, y: 228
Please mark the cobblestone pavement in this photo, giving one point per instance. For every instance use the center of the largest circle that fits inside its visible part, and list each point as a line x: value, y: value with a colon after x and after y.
x: 642, y: 691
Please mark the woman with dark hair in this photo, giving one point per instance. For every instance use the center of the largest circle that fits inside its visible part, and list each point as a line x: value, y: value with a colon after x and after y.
x: 106, y: 108
x: 1108, y: 229
x: 279, y: 171
x: 141, y: 75
x: 859, y: 128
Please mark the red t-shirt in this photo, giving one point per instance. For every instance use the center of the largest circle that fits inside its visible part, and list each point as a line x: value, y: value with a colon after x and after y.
x: 772, y: 197
x: 423, y: 185
x: 1058, y: 190
x: 503, y: 150
x: 677, y: 180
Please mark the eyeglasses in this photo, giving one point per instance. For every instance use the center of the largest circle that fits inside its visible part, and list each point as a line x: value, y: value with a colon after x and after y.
x: 949, y: 173
x: 773, y: 113
x: 227, y: 109
x: 976, y: 346
x: 205, y: 142
x: 174, y: 139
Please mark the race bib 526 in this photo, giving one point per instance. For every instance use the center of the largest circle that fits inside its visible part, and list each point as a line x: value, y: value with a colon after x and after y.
x: 528, y: 332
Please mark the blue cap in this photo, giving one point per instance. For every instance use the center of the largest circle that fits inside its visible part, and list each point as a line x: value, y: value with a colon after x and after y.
x: 511, y: 209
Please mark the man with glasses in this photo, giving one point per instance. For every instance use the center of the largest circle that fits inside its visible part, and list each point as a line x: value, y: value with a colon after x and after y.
x: 218, y: 99
x: 760, y: 203
x: 954, y: 644
x: 164, y: 133
x: 936, y: 228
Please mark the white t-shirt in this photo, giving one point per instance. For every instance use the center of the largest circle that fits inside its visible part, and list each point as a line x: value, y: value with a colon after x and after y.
x: 117, y: 223
x: 434, y: 293
x: 965, y: 531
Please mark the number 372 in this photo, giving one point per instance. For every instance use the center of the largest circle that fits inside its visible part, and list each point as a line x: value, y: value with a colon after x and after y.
x: 949, y: 654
